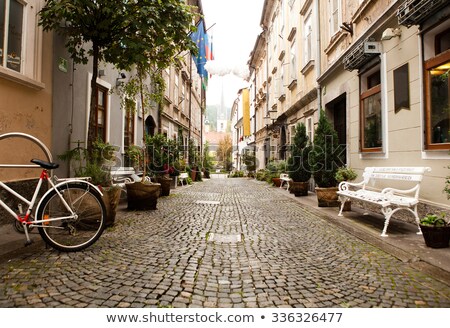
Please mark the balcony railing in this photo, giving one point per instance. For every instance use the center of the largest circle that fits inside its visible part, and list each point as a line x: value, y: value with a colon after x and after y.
x: 359, y: 56
x: 414, y: 12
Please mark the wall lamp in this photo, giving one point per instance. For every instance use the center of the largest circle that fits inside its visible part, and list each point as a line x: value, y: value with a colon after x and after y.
x: 122, y: 76
x: 390, y: 33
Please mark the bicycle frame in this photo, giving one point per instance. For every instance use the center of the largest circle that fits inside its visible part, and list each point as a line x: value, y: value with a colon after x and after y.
x: 24, y: 219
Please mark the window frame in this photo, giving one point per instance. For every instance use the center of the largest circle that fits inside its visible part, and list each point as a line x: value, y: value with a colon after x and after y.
x: 104, y: 109
x: 129, y: 123
x: 307, y: 39
x: 338, y: 11
x: 6, y: 36
x: 436, y: 61
x: 366, y: 92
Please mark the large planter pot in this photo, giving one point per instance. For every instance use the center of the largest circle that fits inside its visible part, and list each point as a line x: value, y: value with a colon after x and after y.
x: 174, y: 182
x: 142, y: 195
x: 165, y: 185
x: 194, y: 175
x: 299, y: 188
x: 111, y: 198
x: 327, y: 197
x: 436, y: 237
x: 276, y: 182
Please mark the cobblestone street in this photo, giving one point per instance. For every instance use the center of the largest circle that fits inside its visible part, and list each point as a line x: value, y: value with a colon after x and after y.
x: 219, y: 243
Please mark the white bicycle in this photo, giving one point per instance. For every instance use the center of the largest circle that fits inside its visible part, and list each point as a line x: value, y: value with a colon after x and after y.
x: 70, y: 216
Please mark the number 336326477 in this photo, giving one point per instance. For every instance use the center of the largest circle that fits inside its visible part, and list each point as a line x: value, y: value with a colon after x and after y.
x: 307, y: 317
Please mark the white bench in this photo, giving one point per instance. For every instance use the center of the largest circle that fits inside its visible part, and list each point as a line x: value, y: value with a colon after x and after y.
x: 389, y: 197
x: 119, y: 174
x: 183, y: 178
x: 284, y: 177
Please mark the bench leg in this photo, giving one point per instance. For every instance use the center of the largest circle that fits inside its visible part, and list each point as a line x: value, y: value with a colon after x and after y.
x: 342, y: 200
x: 387, y: 211
x: 416, y: 215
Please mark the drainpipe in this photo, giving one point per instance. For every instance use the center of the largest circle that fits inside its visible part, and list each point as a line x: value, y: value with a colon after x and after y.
x: 190, y: 105
x: 267, y: 151
x: 318, y: 52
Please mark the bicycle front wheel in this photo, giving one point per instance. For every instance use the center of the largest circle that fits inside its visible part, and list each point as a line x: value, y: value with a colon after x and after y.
x: 67, y: 232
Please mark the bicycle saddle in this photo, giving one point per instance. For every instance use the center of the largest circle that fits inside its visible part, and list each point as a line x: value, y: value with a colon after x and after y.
x: 44, y: 164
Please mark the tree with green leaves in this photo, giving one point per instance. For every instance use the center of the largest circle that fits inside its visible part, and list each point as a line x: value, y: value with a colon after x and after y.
x: 145, y: 34
x: 327, y: 155
x: 298, y: 164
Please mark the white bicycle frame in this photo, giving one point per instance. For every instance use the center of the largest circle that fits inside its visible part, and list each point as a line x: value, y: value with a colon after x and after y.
x: 44, y: 176
x: 30, y: 203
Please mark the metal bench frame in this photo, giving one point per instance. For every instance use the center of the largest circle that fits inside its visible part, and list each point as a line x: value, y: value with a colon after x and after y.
x: 390, y: 199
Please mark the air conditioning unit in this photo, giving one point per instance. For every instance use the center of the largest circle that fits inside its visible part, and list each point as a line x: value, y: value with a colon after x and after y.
x: 372, y: 47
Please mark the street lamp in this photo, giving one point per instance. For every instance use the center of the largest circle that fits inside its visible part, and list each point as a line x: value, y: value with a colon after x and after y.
x: 272, y: 123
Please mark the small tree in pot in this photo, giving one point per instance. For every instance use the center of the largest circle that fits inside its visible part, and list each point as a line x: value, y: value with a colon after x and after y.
x: 326, y: 157
x: 299, y: 169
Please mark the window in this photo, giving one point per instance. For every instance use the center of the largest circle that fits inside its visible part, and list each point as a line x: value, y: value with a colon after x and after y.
x: 128, y: 130
x: 11, y: 34
x: 401, y: 88
x: 293, y: 62
x: 183, y: 100
x: 167, y: 82
x: 437, y: 92
x: 99, y: 126
x: 310, y: 129
x: 307, y: 40
x: 334, y: 16
x: 176, y: 89
x: 370, y: 111
x: 281, y: 92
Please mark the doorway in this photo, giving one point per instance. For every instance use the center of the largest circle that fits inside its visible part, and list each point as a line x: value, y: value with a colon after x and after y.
x: 337, y: 110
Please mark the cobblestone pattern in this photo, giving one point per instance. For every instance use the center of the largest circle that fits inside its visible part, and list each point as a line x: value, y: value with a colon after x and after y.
x: 253, y: 249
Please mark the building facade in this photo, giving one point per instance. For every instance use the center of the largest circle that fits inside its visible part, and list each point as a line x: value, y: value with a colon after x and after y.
x: 44, y: 94
x: 26, y: 60
x: 378, y: 68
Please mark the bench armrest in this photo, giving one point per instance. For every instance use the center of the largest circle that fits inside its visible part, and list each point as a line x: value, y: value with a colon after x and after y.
x: 345, y: 184
x: 401, y: 191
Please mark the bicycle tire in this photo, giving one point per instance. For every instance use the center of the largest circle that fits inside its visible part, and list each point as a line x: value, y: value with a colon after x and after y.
x: 72, y: 234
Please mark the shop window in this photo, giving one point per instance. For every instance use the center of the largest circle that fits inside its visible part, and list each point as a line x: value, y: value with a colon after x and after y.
x: 371, y: 111
x: 437, y: 101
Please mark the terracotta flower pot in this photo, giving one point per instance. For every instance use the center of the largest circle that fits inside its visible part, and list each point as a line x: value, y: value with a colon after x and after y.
x: 327, y: 197
x: 111, y: 198
x: 142, y: 195
x: 276, y: 182
x: 299, y: 188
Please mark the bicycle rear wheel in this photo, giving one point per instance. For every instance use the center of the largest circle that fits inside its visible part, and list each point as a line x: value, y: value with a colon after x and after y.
x: 66, y: 233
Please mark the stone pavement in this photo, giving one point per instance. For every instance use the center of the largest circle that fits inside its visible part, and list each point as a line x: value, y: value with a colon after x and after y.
x: 232, y: 243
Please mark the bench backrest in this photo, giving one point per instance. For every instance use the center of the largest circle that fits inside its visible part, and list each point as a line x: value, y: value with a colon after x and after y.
x: 408, y: 173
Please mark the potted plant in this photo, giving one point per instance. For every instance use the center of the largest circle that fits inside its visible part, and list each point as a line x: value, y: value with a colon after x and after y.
x: 299, y: 169
x: 435, y: 230
x: 162, y: 154
x: 345, y: 173
x: 274, y: 168
x: 326, y: 157
x: 96, y: 165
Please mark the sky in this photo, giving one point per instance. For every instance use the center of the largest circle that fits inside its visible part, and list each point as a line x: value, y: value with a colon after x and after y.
x: 234, y: 26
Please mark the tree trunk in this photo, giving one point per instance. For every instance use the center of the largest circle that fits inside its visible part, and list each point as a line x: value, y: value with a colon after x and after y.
x: 91, y: 132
